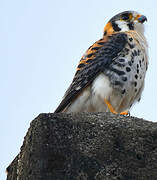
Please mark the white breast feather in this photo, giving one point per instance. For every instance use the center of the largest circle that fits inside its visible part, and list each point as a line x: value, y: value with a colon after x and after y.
x: 101, y: 87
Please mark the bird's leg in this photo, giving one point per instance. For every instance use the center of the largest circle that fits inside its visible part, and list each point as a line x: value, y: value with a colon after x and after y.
x: 110, y: 106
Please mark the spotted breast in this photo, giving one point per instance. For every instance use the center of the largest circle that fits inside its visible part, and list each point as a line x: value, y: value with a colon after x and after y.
x: 125, y: 75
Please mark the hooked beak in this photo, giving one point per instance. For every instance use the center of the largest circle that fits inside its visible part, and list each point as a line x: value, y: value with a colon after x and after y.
x: 141, y: 19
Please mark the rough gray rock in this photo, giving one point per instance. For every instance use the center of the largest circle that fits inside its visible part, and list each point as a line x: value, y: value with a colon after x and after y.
x: 87, y: 146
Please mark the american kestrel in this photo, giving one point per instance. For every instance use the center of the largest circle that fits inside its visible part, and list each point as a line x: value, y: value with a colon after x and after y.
x: 110, y: 75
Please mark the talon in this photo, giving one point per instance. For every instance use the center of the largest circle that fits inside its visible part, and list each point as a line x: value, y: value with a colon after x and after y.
x: 110, y: 107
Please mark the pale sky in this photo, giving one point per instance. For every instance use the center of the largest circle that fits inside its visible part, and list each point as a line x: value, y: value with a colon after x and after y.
x: 41, y: 43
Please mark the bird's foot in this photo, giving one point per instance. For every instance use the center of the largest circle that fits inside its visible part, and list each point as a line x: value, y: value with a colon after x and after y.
x: 125, y: 113
x: 110, y: 107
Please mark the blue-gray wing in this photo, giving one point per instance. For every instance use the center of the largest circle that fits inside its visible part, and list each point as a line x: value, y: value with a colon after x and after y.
x: 97, y: 58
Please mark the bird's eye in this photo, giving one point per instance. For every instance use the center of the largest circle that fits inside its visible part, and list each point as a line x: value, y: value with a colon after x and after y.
x: 125, y: 17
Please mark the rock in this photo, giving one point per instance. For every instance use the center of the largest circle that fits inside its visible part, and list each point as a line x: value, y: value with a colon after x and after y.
x: 87, y: 146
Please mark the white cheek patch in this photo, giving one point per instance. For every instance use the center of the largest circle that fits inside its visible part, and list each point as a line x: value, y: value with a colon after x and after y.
x: 122, y: 25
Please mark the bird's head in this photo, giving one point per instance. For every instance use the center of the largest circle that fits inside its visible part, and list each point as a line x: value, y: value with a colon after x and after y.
x: 125, y: 21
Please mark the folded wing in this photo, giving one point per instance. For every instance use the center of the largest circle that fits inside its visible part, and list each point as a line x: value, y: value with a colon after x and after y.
x: 97, y: 58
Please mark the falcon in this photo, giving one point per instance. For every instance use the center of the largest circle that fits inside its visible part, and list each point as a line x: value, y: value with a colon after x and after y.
x: 110, y: 75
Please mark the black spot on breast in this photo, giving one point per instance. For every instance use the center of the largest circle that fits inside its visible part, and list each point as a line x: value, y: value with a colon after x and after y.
x: 131, y: 39
x: 127, y: 50
x: 135, y: 90
x: 124, y: 78
x: 135, y: 83
x: 136, y: 76
x: 137, y: 66
x: 131, y: 45
x: 143, y: 60
x: 117, y: 71
x: 138, y: 52
x: 121, y: 60
x: 123, y: 91
x: 132, y: 58
x: 130, y: 63
x: 128, y: 69
x: 118, y: 64
x: 135, y: 53
x: 137, y: 71
x: 140, y: 63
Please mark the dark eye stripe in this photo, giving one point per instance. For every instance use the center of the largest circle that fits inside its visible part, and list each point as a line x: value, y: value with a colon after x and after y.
x: 116, y: 27
x: 131, y: 26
